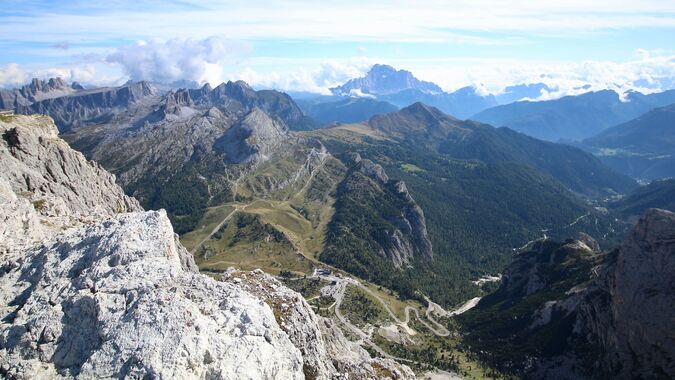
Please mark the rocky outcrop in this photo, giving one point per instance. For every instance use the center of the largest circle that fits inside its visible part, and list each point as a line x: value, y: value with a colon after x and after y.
x: 630, y: 313
x: 327, y: 353
x: 46, y: 186
x: 253, y: 139
x: 120, y: 298
x: 408, y: 236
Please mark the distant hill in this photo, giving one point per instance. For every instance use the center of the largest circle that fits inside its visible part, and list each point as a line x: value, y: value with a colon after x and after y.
x: 641, y: 148
x: 521, y: 91
x: 578, y: 170
x: 573, y: 117
x: 325, y: 110
x: 658, y: 194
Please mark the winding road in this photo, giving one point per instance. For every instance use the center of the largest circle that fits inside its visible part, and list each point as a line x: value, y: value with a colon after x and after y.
x: 219, y: 226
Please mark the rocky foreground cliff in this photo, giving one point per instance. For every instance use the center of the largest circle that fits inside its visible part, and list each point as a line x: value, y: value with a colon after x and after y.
x: 569, y: 311
x: 92, y: 286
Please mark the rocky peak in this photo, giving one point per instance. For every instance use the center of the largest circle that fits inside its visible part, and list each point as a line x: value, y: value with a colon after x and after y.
x: 385, y: 80
x: 39, y: 89
x: 253, y: 139
x: 173, y: 101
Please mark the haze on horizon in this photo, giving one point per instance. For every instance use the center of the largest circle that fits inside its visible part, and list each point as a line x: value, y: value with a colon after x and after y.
x: 305, y: 46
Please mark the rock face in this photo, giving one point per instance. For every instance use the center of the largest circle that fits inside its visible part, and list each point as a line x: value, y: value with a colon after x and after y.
x: 569, y: 311
x: 46, y: 186
x: 111, y: 294
x: 253, y: 139
x: 409, y: 238
x: 635, y: 327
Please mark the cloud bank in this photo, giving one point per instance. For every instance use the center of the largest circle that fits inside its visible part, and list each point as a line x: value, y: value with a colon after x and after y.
x: 174, y: 60
x: 216, y: 59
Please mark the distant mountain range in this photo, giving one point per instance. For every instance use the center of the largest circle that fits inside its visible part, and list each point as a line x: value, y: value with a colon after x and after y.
x: 37, y: 90
x: 573, y: 117
x: 401, y: 89
x: 641, y: 148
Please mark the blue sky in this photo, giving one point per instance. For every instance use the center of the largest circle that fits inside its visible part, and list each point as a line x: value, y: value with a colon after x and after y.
x: 309, y: 45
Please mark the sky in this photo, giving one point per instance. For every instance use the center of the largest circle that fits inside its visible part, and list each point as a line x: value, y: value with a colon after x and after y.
x: 315, y: 45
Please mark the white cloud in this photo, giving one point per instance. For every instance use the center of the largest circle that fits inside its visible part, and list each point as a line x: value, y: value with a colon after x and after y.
x: 313, y: 79
x: 649, y: 71
x: 176, y: 59
x: 12, y: 75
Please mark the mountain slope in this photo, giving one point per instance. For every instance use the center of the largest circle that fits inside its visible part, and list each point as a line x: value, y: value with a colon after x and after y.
x: 658, y: 194
x: 573, y: 117
x: 475, y: 210
x: 568, y: 311
x: 426, y: 125
x: 346, y: 110
x: 641, y: 148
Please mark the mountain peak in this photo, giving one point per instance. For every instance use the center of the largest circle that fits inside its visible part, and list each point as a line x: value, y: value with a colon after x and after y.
x: 419, y: 109
x: 384, y: 79
x: 39, y: 89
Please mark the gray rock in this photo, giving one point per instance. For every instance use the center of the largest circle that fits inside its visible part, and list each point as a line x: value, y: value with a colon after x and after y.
x: 115, y: 299
x: 631, y: 313
x: 46, y: 186
x: 253, y: 139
